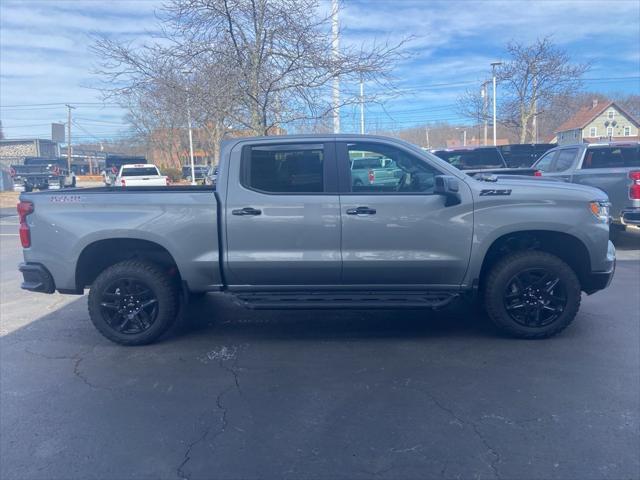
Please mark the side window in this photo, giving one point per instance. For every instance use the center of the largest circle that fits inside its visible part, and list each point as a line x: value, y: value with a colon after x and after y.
x: 388, y: 170
x: 611, y: 157
x: 544, y: 164
x: 565, y: 159
x: 284, y: 168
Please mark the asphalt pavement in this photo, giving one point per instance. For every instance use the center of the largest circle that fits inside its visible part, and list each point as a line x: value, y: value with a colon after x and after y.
x: 233, y: 393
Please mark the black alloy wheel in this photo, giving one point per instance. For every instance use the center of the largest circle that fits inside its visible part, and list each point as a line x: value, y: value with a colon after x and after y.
x: 134, y: 302
x: 130, y: 306
x: 535, y: 297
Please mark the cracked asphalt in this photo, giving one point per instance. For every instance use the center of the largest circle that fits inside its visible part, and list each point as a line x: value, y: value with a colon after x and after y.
x: 235, y: 394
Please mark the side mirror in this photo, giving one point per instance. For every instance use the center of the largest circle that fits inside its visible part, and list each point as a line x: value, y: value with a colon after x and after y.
x: 448, y: 187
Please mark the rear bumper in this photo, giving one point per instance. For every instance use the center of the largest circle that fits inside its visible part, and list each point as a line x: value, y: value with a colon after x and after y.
x: 630, y: 216
x: 36, y: 278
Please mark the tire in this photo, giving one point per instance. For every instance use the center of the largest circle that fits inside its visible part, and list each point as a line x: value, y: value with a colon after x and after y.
x: 73, y: 182
x: 512, y: 307
x: 125, y: 288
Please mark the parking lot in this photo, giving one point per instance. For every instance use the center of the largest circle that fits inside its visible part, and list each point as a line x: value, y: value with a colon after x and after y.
x: 359, y: 394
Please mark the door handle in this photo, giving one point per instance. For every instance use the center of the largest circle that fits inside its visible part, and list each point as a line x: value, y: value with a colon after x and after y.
x: 361, y: 211
x: 250, y: 211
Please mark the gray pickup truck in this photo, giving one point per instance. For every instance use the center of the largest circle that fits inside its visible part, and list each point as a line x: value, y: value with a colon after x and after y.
x: 612, y: 167
x: 286, y: 228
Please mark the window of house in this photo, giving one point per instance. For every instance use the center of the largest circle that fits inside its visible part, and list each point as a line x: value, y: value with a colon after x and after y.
x: 284, y: 168
x: 627, y: 131
x: 611, y: 114
x: 593, y: 132
x: 609, y: 131
x: 575, y: 134
x: 388, y: 170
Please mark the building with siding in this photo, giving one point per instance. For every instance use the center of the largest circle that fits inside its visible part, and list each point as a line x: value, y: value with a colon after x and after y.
x: 599, y: 122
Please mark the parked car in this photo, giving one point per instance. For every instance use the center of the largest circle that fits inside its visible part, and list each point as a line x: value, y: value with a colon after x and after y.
x: 480, y: 160
x: 287, y: 229
x: 42, y: 174
x: 199, y: 170
x: 113, y: 163
x: 140, y: 175
x: 524, y: 155
x: 613, y: 167
x: 211, y: 176
x: 374, y: 171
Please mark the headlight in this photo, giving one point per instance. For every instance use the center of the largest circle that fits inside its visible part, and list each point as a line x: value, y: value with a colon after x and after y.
x: 600, y: 210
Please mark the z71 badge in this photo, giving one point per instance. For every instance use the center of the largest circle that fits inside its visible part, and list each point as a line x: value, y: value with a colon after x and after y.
x: 494, y: 192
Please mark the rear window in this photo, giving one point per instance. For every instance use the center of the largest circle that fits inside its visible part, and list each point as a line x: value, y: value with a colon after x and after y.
x: 140, y: 172
x: 366, y: 163
x: 284, y: 168
x: 472, y: 159
x: 612, y: 157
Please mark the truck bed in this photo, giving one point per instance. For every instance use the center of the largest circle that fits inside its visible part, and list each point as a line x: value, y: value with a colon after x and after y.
x: 182, y: 219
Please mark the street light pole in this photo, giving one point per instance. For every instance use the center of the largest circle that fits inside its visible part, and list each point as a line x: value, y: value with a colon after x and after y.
x: 493, y: 71
x: 69, y: 108
x: 193, y: 167
x: 485, y: 104
x: 361, y: 107
x: 335, y: 30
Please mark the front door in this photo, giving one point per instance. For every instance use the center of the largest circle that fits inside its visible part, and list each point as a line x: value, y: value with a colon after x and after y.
x: 400, y: 233
x: 283, y: 217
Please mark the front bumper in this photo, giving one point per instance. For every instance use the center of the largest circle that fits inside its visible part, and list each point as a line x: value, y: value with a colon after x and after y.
x: 596, y: 281
x: 36, y: 278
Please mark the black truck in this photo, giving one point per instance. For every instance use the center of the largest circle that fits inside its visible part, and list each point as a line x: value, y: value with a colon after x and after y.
x: 39, y: 173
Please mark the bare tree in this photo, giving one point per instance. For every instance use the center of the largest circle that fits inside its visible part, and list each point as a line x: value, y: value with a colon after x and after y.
x: 534, y: 74
x: 255, y: 64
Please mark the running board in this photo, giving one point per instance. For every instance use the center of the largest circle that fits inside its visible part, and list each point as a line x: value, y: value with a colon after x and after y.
x: 341, y: 300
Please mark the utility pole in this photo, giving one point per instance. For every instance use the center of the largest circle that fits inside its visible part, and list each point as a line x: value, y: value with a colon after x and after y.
x: 69, y: 108
x: 493, y: 72
x: 485, y: 104
x: 335, y: 30
x: 193, y: 168
x: 361, y: 106
x: 426, y: 131
x: 534, y: 123
x: 464, y: 138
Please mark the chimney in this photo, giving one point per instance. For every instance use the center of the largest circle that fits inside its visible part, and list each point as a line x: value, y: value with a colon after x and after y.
x: 594, y: 103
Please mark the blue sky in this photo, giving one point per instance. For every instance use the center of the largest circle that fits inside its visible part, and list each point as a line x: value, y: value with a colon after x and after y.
x: 44, y: 57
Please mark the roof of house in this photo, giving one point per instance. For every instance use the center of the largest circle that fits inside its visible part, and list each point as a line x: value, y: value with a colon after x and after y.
x: 586, y: 114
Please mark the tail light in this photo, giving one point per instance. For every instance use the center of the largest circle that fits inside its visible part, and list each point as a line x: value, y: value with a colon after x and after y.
x: 634, y: 189
x: 114, y: 170
x: 167, y: 180
x: 12, y: 172
x: 537, y: 173
x: 123, y: 182
x: 56, y: 170
x: 372, y: 176
x: 24, y: 208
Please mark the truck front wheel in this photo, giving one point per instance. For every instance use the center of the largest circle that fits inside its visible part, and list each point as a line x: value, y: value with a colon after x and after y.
x: 532, y: 294
x: 133, y: 303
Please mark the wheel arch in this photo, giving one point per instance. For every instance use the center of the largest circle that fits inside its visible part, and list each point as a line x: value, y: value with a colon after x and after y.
x: 101, y: 254
x: 565, y: 246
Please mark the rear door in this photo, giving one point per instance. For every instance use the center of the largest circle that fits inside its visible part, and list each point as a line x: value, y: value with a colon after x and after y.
x: 559, y: 164
x: 401, y: 233
x: 283, y: 216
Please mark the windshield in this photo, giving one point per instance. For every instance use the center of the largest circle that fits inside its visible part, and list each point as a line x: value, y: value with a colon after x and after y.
x: 472, y: 159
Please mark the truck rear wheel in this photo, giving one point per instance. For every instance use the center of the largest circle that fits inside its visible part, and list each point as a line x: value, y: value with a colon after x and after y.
x: 532, y: 294
x: 133, y: 303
